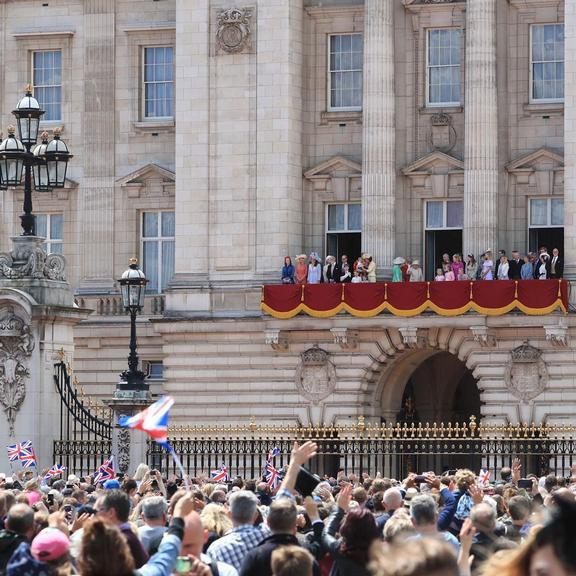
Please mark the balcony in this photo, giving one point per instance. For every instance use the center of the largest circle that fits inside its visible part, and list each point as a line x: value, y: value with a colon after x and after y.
x: 406, y: 299
x: 111, y: 305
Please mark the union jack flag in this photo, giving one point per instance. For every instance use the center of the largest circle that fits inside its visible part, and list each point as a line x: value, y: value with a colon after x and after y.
x: 484, y: 478
x: 273, y: 453
x: 56, y: 470
x: 272, y: 476
x: 220, y: 475
x: 105, y: 472
x: 153, y: 420
x: 23, y: 451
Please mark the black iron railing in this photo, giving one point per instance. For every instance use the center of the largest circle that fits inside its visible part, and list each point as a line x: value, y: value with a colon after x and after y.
x: 393, y: 451
x: 85, y: 434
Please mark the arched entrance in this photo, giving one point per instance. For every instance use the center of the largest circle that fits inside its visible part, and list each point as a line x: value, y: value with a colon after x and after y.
x: 428, y: 387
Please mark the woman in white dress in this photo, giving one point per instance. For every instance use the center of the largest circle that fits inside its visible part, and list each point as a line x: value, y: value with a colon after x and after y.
x: 487, y: 266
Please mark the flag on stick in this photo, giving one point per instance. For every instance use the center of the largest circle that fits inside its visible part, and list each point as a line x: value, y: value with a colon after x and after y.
x: 106, y: 471
x: 56, y: 470
x: 220, y: 475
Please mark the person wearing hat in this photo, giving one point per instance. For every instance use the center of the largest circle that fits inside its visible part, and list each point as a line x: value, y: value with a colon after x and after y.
x: 301, y: 269
x: 396, y: 270
x: 315, y: 269
x: 415, y: 272
x: 329, y: 269
x: 370, y: 267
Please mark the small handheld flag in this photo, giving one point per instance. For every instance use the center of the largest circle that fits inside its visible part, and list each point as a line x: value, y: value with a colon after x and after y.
x: 220, y: 475
x: 27, y: 455
x: 56, y: 470
x: 273, y: 453
x: 484, y: 478
x: 106, y: 471
x: 272, y: 476
x: 13, y: 452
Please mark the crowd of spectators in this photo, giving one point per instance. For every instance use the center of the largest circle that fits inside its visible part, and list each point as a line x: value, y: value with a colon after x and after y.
x: 457, y: 523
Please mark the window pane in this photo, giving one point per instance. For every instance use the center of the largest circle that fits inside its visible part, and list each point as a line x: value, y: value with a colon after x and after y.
x: 455, y: 214
x: 355, y: 217
x: 54, y: 247
x: 548, y: 62
x: 538, y: 212
x: 150, y: 264
x: 47, y: 80
x: 434, y: 214
x: 168, y: 224
x: 150, y: 225
x: 158, y: 81
x: 167, y: 263
x: 336, y: 217
x: 56, y: 227
x: 346, y: 62
x: 41, y: 225
x: 557, y: 212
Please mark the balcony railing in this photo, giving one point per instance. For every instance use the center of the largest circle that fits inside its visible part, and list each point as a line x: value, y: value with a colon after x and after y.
x: 493, y: 298
x: 112, y: 305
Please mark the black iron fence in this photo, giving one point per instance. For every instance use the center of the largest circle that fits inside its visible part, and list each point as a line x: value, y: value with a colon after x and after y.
x: 394, y: 451
x: 85, y: 429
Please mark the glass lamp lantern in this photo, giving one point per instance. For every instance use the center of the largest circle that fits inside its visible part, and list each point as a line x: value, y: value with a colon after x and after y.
x: 40, y: 167
x: 57, y: 157
x: 133, y: 286
x: 12, y: 155
x: 28, y: 114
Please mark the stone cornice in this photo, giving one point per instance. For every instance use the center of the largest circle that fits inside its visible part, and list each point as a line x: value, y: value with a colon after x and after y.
x: 33, y: 34
x: 320, y: 11
x: 419, y: 5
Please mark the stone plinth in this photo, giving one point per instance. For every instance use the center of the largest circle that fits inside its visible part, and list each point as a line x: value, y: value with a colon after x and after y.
x: 128, y: 446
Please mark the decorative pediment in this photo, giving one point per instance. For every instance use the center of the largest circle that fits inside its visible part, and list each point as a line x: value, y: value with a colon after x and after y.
x: 337, y: 166
x: 150, y: 180
x: 541, y: 159
x: 434, y: 163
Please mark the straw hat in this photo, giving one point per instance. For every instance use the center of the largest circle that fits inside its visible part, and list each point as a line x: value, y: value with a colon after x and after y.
x: 301, y: 257
x: 415, y: 262
x: 366, y: 256
x: 399, y: 261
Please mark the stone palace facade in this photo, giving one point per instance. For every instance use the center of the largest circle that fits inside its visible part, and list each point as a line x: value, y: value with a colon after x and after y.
x: 214, y: 137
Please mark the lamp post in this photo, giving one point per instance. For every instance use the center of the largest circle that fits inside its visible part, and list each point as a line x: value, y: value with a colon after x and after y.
x: 133, y: 286
x: 48, y: 160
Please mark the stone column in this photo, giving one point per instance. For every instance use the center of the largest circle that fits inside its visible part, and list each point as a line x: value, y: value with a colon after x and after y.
x: 481, y: 130
x: 570, y: 138
x: 379, y: 136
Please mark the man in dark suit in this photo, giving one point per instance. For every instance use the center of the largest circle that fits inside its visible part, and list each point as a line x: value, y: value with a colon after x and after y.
x: 515, y: 265
x: 342, y: 270
x: 556, y: 264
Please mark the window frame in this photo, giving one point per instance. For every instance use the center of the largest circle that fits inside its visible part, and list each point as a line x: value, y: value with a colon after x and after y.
x: 48, y: 240
x: 329, y: 106
x: 531, y: 98
x: 142, y: 115
x: 548, y: 212
x: 34, y: 51
x: 444, y: 202
x: 158, y: 239
x: 345, y: 230
x: 428, y: 66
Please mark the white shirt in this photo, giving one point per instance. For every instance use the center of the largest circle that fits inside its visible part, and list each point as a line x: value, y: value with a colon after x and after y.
x: 223, y: 568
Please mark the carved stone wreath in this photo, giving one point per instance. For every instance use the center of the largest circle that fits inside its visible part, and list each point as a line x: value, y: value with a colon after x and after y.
x: 16, y: 345
x: 234, y: 30
x: 315, y: 375
x: 526, y: 375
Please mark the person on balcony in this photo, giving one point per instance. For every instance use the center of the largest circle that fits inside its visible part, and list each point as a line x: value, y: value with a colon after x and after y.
x: 301, y: 270
x: 527, y: 270
x: 515, y: 270
x: 370, y: 267
x: 471, y: 267
x: 396, y: 270
x: 288, y: 271
x: 315, y: 269
x: 342, y: 271
x: 415, y: 272
x: 439, y: 275
x: 446, y: 264
x: 457, y: 266
x: 449, y: 276
x: 503, y: 268
x: 543, y: 267
x: 556, y: 264
x: 487, y: 266
x: 329, y: 269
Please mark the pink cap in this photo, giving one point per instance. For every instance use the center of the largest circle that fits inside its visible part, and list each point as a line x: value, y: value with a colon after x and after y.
x: 33, y: 497
x: 50, y: 544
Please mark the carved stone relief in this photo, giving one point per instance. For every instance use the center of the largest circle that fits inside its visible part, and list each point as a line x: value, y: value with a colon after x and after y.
x: 16, y: 345
x: 234, y: 31
x: 526, y: 375
x: 442, y: 134
x: 123, y: 449
x: 28, y: 260
x: 316, y: 375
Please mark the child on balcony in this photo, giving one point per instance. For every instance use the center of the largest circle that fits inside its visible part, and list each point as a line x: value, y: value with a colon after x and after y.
x: 439, y: 275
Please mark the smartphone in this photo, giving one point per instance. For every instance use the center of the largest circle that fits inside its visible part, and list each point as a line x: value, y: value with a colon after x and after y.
x: 183, y: 565
x: 525, y: 483
x: 420, y: 479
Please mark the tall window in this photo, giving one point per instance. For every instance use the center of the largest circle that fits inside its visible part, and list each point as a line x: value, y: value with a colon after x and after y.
x: 49, y: 226
x: 346, y: 54
x: 546, y: 212
x: 159, y: 82
x: 547, y: 63
x: 158, y: 249
x: 443, y: 67
x: 47, y: 79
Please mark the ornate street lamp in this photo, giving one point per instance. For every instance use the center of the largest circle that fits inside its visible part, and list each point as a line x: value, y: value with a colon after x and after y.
x: 133, y: 286
x: 49, y: 160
